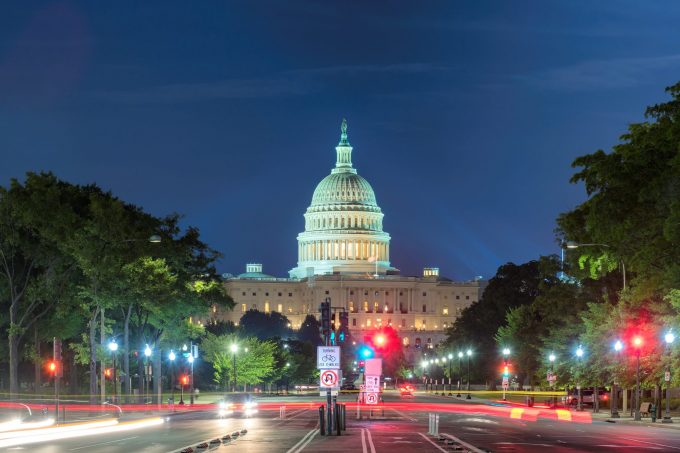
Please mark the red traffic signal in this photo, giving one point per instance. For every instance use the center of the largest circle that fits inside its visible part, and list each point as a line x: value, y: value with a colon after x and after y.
x: 108, y: 372
x: 184, y: 380
x: 52, y: 366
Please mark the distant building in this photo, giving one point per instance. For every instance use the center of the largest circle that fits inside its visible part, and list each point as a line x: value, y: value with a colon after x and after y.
x: 344, y: 254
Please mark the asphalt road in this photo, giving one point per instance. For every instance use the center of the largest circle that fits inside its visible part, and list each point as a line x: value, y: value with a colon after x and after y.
x: 402, y: 427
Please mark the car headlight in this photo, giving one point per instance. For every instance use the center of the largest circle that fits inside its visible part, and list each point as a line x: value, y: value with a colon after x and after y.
x: 222, y: 405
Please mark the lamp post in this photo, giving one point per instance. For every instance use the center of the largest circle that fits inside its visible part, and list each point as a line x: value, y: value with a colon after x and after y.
x: 575, y: 245
x: 551, y: 358
x: 460, y: 370
x: 234, y: 348
x: 172, y: 357
x: 191, y: 384
x: 579, y: 355
x: 670, y: 338
x: 113, y: 347
x: 147, y: 373
x: 618, y: 346
x: 506, y: 353
x: 450, y: 377
x: 637, y: 343
x: 469, y: 353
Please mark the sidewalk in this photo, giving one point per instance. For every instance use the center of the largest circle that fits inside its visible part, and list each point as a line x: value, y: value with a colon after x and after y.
x: 627, y: 419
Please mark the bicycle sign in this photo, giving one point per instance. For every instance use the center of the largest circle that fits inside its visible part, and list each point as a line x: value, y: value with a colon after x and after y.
x: 328, y: 357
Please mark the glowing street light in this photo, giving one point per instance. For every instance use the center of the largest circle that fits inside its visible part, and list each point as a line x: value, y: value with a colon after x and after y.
x: 670, y: 338
x: 147, y: 370
x: 579, y: 355
x: 618, y: 347
x: 234, y: 348
x: 637, y: 343
x: 460, y: 371
x: 468, y: 353
x: 172, y: 356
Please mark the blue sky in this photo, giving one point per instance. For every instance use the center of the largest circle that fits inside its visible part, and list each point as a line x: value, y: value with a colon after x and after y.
x: 464, y: 116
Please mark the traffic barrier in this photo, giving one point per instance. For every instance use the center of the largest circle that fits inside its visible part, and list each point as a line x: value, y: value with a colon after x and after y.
x: 322, y: 421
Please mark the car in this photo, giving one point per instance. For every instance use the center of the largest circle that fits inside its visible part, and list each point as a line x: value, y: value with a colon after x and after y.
x: 348, y: 387
x: 586, y: 396
x: 406, y: 390
x: 237, y: 404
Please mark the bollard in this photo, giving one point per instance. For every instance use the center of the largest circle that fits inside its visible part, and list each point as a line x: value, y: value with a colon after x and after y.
x: 337, y: 419
x: 429, y: 423
x: 358, y: 410
x: 282, y: 412
x: 436, y: 425
x: 322, y: 421
x: 344, y: 420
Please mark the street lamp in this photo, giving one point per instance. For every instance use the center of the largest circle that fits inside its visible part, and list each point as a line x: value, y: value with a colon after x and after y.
x: 234, y: 348
x: 191, y: 384
x: 506, y: 353
x: 579, y: 355
x: 618, y: 347
x: 147, y: 371
x: 469, y: 353
x: 172, y: 357
x: 450, y: 360
x: 460, y: 371
x: 113, y: 347
x: 637, y: 344
x: 670, y: 338
x: 552, y: 358
x: 575, y: 245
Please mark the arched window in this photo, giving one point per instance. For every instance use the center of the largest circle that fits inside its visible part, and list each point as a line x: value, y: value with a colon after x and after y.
x: 418, y: 343
x: 406, y: 342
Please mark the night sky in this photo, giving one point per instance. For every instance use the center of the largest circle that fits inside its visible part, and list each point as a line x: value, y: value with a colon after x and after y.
x: 464, y: 116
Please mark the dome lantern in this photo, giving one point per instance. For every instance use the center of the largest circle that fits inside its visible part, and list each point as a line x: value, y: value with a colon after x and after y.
x: 344, y: 152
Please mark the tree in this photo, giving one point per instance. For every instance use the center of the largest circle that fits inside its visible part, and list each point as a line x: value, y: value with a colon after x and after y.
x: 310, y: 331
x: 512, y: 286
x: 633, y: 203
x: 265, y: 325
x: 253, y: 365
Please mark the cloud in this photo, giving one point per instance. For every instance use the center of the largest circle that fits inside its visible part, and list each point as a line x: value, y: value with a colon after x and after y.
x: 602, y: 74
x: 299, y: 82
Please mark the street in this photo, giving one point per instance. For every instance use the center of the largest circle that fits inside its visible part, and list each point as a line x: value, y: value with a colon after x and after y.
x: 401, y: 426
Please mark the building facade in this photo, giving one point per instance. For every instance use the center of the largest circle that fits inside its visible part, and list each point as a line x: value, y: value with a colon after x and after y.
x: 343, y: 253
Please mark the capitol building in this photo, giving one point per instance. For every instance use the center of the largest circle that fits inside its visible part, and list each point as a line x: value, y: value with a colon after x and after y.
x: 344, y: 254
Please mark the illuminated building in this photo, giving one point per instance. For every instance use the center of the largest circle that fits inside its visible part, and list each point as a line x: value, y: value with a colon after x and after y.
x: 344, y: 254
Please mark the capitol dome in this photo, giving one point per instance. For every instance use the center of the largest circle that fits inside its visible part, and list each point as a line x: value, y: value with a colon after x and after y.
x: 343, y: 224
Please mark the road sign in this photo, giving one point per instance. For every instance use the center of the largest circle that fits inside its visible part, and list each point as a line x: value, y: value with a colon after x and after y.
x: 328, y: 357
x: 373, y: 367
x: 505, y: 382
x: 372, y: 384
x: 371, y: 398
x: 667, y: 376
x: 325, y: 393
x: 362, y: 388
x: 329, y: 379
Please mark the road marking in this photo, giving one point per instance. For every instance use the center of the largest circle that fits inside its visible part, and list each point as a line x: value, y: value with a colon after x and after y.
x: 463, y: 443
x: 401, y: 414
x: 370, y: 439
x: 363, y: 441
x: 523, y: 443
x: 307, y: 441
x: 103, y: 443
x: 516, y: 412
x: 651, y: 443
x: 436, y: 446
x: 312, y: 433
x: 626, y: 446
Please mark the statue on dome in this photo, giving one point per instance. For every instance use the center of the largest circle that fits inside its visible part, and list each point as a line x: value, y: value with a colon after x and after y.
x: 343, y: 133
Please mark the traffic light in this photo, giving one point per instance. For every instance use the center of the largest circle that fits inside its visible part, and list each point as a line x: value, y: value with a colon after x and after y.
x: 344, y: 327
x: 325, y: 309
x: 333, y: 337
x: 365, y: 352
x: 108, y: 372
x: 380, y: 341
x: 184, y: 379
x: 52, y: 367
x: 362, y: 366
x: 506, y: 371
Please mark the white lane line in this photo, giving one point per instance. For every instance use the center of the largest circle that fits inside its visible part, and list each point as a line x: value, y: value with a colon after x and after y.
x: 103, y: 443
x: 430, y: 441
x: 363, y: 440
x: 651, y: 443
x: 370, y: 440
x: 463, y: 443
x: 401, y: 414
x: 294, y: 447
x: 307, y: 442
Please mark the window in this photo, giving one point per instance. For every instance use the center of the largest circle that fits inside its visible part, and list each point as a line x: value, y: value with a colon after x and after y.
x: 354, y: 322
x: 366, y: 306
x: 424, y: 294
x: 403, y: 322
x: 290, y: 309
x: 418, y: 342
x: 279, y: 308
x: 387, y: 293
x: 351, y: 293
x: 280, y: 294
x: 244, y: 308
x: 244, y: 293
x: 365, y: 293
x: 375, y: 307
x: 254, y: 294
x: 405, y: 342
x: 445, y: 310
x: 266, y: 294
x: 266, y: 307
x: 400, y: 293
x: 467, y: 297
x: 290, y: 294
x: 327, y: 292
x: 424, y: 322
x: 351, y: 306
x: 457, y: 296
x: 424, y: 308
x: 368, y: 323
x: 253, y: 307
